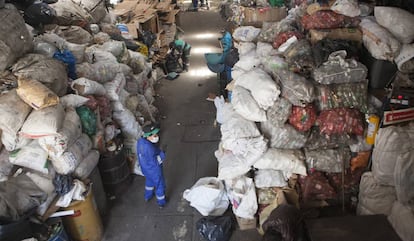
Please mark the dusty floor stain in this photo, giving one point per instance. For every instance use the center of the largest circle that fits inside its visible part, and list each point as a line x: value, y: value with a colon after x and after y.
x: 181, y: 205
x: 180, y: 232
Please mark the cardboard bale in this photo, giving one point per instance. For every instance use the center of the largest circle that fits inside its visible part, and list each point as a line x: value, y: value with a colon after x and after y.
x: 351, y: 34
x: 245, y: 224
x: 267, y: 14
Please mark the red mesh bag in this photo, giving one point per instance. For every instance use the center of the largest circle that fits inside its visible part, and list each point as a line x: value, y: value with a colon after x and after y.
x: 303, y: 118
x: 316, y: 186
x: 327, y: 19
x: 283, y: 37
x: 341, y: 121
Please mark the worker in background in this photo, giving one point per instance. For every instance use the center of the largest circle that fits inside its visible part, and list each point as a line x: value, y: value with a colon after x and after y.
x: 151, y: 157
x: 183, y: 49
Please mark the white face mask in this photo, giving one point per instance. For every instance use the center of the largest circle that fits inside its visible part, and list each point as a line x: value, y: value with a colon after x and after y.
x: 154, y: 139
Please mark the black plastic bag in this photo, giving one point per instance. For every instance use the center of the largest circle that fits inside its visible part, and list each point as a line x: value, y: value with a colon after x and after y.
x: 215, y: 228
x: 147, y: 37
x: 286, y: 220
x: 232, y: 57
x: 39, y: 13
x: 322, y: 49
x: 63, y: 184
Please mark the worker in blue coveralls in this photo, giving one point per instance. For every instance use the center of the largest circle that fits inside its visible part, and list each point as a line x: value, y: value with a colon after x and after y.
x: 151, y: 157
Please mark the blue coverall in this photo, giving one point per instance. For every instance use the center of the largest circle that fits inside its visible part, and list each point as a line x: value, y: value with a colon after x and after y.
x: 150, y: 158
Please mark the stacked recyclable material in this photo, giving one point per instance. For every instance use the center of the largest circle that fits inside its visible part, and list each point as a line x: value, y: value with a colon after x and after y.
x: 69, y: 95
x: 296, y: 120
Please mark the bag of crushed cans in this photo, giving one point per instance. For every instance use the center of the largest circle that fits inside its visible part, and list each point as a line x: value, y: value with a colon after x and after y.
x: 341, y: 120
x: 338, y: 70
x: 316, y: 140
x: 349, y: 95
x: 303, y: 118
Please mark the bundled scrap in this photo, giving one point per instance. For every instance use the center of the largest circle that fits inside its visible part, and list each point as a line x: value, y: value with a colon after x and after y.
x: 296, y: 120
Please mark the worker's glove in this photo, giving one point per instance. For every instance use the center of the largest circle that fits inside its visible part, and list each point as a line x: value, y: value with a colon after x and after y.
x: 159, y: 159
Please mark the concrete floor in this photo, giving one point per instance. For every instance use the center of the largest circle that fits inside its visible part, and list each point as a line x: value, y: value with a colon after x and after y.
x: 189, y: 137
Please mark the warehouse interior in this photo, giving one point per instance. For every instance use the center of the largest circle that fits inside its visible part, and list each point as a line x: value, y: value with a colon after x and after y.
x: 279, y: 120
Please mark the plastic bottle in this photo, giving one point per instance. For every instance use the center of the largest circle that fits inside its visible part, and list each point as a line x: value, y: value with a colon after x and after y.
x: 373, y: 125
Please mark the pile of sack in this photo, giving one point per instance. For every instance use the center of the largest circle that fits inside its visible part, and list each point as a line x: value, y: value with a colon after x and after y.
x: 296, y: 117
x: 69, y: 95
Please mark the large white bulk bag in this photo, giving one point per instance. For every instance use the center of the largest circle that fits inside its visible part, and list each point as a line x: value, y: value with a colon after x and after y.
x: 12, y: 141
x: 250, y: 149
x: 31, y: 156
x: 70, y: 159
x: 71, y: 130
x: 269, y: 178
x: 48, y: 71
x: 402, y: 220
x: 235, y: 126
x: 262, y: 87
x: 291, y: 161
x: 129, y: 125
x: 396, y: 20
x: 246, y: 33
x: 390, y: 142
x: 84, y: 86
x: 114, y: 87
x: 208, y: 196
x: 242, y: 195
x: 229, y: 165
x: 15, y: 39
x: 43, y: 122
x: 379, y: 42
x: 13, y: 112
x: 374, y: 198
x: 87, y: 165
x: 246, y: 106
x: 404, y: 178
x: 72, y: 100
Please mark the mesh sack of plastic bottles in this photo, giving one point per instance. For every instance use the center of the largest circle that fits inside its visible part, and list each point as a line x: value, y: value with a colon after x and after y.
x: 279, y: 113
x: 284, y: 137
x: 338, y: 70
x: 316, y: 140
x: 300, y: 57
x: 328, y: 160
x: 297, y: 89
x: 350, y: 95
x: 303, y: 118
x: 327, y: 20
x: 341, y: 120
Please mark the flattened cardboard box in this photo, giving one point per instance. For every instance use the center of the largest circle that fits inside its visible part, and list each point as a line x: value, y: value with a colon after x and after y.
x: 267, y: 14
x: 352, y: 34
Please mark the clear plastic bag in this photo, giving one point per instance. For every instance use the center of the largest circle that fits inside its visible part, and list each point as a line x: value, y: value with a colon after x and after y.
x: 279, y: 113
x: 297, y: 89
x: 300, y: 57
x: 328, y: 160
x: 284, y: 137
x: 338, y: 70
x: 317, y: 140
x: 349, y: 95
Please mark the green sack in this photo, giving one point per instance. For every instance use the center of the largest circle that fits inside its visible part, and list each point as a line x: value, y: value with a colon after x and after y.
x: 88, y: 120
